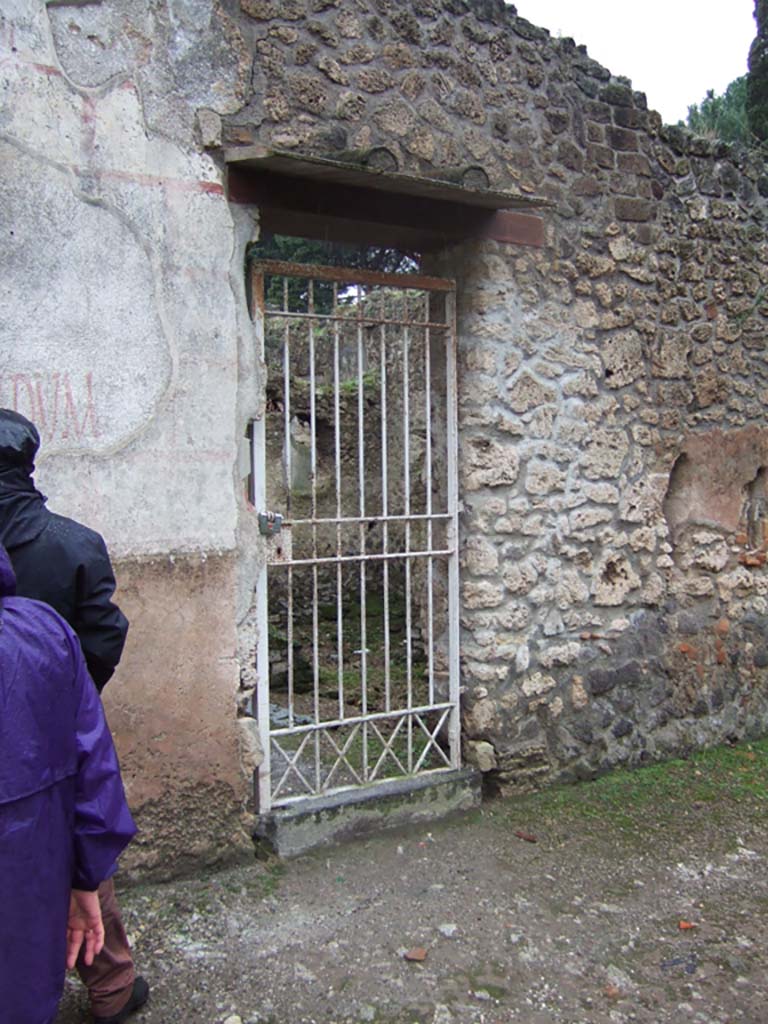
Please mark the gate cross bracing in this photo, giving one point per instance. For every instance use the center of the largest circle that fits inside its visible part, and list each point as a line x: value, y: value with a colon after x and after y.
x: 358, y: 603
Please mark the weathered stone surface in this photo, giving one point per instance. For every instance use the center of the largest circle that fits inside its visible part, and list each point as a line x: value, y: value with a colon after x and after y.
x: 488, y: 463
x: 526, y: 393
x: 622, y: 355
x: 482, y: 594
x: 480, y: 754
x: 604, y: 453
x: 613, y: 580
x: 480, y: 557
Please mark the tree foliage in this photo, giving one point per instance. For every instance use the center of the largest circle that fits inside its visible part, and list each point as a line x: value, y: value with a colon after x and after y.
x: 722, y: 117
x: 757, y: 79
x: 321, y: 253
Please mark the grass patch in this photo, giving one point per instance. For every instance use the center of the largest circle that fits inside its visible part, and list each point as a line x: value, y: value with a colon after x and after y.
x: 715, y: 782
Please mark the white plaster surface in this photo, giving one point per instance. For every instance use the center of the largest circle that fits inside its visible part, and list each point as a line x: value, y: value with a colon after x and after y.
x: 118, y: 333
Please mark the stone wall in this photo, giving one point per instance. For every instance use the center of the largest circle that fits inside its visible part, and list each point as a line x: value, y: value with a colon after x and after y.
x: 612, y: 382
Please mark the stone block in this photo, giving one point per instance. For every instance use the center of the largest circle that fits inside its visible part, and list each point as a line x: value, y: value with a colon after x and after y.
x: 621, y: 139
x: 633, y: 210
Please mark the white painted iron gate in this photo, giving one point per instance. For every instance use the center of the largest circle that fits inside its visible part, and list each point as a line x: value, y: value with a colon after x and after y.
x: 355, y: 486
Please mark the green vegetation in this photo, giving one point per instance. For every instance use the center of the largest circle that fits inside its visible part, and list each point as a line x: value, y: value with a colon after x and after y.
x: 659, y: 798
x: 325, y: 253
x: 722, y: 117
x: 757, y: 79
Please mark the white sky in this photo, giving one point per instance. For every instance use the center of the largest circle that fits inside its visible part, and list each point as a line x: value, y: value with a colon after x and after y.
x: 673, y: 50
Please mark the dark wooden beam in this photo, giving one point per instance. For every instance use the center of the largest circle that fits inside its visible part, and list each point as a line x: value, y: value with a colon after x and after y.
x: 314, y: 209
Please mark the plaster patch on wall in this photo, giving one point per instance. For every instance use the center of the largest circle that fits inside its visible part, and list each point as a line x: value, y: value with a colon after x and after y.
x: 715, y: 479
x: 86, y: 278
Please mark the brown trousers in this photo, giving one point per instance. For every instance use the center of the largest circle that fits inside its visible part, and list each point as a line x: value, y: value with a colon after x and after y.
x: 110, y: 977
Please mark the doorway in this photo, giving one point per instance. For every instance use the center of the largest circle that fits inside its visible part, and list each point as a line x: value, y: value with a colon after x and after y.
x: 356, y: 490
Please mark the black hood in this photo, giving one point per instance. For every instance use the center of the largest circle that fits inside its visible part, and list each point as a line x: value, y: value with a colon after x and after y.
x: 23, y: 515
x: 19, y: 441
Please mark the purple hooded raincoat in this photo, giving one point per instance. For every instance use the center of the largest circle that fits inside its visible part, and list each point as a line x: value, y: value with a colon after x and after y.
x: 63, y: 816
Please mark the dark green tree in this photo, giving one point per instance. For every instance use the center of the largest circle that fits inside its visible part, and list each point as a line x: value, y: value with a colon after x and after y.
x: 757, y: 79
x: 722, y: 117
x: 321, y: 253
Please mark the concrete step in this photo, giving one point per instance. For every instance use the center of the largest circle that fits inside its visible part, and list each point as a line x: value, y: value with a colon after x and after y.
x: 323, y: 821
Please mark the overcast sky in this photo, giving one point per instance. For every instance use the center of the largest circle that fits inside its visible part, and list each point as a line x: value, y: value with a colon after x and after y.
x: 673, y: 50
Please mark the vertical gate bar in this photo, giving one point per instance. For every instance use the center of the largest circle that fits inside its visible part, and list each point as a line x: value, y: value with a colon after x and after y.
x: 407, y: 504
x: 428, y: 474
x: 288, y: 470
x: 337, y: 469
x: 454, y: 727
x: 258, y: 468
x: 385, y: 513
x: 313, y: 506
x: 361, y: 487
x: 287, y: 399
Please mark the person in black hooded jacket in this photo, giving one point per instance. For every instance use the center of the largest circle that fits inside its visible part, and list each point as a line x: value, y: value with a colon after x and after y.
x: 66, y: 565
x: 56, y: 559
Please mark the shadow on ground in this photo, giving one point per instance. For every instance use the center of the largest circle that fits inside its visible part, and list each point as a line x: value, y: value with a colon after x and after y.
x: 573, y: 906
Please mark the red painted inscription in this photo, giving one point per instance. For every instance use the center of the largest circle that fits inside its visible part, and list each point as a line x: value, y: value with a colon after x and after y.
x: 61, y: 409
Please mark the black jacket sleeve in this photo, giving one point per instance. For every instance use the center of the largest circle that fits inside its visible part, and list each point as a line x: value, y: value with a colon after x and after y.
x: 98, y: 622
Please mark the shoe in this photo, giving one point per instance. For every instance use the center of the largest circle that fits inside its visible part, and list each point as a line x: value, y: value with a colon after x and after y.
x: 139, y: 995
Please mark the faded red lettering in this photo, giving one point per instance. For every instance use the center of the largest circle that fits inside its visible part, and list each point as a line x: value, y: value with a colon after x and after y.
x: 40, y: 397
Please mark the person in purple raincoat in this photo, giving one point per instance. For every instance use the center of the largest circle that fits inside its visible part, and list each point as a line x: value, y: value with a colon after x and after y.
x: 63, y: 815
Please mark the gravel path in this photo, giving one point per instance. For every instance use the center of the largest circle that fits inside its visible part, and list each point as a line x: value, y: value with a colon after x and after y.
x: 581, y: 926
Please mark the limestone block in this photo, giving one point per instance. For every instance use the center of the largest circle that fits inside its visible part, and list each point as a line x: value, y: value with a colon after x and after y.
x: 561, y: 654
x: 543, y: 478
x: 481, y: 754
x: 641, y: 502
x: 512, y: 523
x: 579, y: 697
x: 604, y: 453
x: 714, y: 557
x: 585, y: 313
x: 585, y: 518
x: 613, y: 580
x: 526, y: 393
x: 537, y: 684
x: 251, y: 753
x: 654, y: 590
x: 333, y: 70
x: 670, y: 357
x: 480, y: 718
x: 482, y: 594
x: 582, y: 385
x: 570, y: 589
x: 485, y: 672
x: 623, y: 358
x: 481, y: 558
x: 519, y: 577
x: 643, y: 539
x: 739, y: 578
x: 480, y: 358
x: 209, y: 126
x: 488, y: 463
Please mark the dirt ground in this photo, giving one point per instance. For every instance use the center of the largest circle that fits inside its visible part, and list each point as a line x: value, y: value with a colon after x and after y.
x: 588, y: 924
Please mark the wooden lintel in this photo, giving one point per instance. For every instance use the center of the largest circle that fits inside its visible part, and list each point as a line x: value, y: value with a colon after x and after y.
x: 291, y: 206
x: 514, y: 227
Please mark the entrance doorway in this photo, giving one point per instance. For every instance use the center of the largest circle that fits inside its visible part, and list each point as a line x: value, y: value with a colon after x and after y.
x: 355, y: 486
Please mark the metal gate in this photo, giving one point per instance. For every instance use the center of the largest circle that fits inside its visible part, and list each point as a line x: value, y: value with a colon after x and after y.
x: 355, y: 487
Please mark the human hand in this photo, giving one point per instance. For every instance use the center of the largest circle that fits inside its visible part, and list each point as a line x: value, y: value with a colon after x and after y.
x: 85, y: 929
